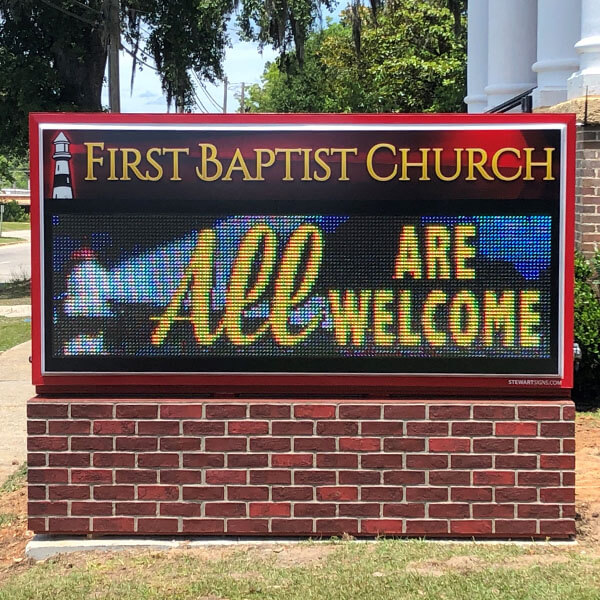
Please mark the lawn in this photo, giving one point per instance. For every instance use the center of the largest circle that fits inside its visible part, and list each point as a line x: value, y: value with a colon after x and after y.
x: 4, y: 240
x: 15, y: 292
x: 15, y: 226
x: 14, y: 331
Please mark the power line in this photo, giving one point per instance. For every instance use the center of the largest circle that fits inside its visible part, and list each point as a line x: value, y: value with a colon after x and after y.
x: 131, y: 53
x: 69, y: 14
x: 94, y: 10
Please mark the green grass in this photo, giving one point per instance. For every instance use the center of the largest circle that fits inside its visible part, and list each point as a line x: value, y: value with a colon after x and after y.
x: 14, y: 331
x: 14, y: 481
x: 4, y: 241
x: 589, y: 416
x: 15, y: 292
x: 394, y: 570
x: 15, y: 225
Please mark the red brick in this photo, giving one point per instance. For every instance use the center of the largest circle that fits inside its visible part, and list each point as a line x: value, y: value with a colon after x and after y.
x: 91, y: 411
x: 426, y: 429
x: 382, y: 494
x: 114, y: 525
x: 247, y: 526
x: 314, y: 411
x: 360, y: 444
x: 247, y: 427
x: 314, y: 444
x: 202, y: 428
x: 515, y: 528
x: 225, y: 476
x: 89, y: 444
x: 91, y: 509
x: 271, y: 476
x: 39, y: 427
x: 382, y: 527
x: 559, y: 461
x: 314, y: 509
x: 337, y: 428
x: 337, y: 461
x: 270, y: 509
x: 539, y: 446
x: 494, y: 511
x: 91, y: 476
x: 359, y: 510
x: 382, y: 428
x: 451, y: 412
x: 471, y: 527
x: 180, y: 444
x: 471, y: 429
x: 68, y: 459
x: 471, y: 494
x: 421, y: 527
x: 36, y: 492
x: 250, y: 492
x: 114, y: 427
x: 157, y: 526
x: 145, y: 509
x: 404, y: 444
x: 292, y: 427
x: 449, y: 445
x: 47, y: 508
x: 69, y: 427
x: 270, y: 411
x: 568, y: 445
x: 539, y: 478
x: 292, y: 493
x: 337, y: 494
x: 516, y: 495
x: 114, y: 492
x: 158, y: 492
x: 225, y: 411
x: 79, y: 525
x: 47, y: 475
x: 403, y: 477
x: 415, y: 510
x: 37, y: 525
x: 493, y: 412
x: 495, y: 445
x: 292, y: 460
x: 37, y: 410
x: 427, y: 494
x: 539, y: 413
x: 381, y: 461
x: 404, y: 412
x: 558, y: 528
x: 493, y: 478
x: 226, y: 444
x: 314, y: 477
x: 359, y: 411
x: 360, y: 477
x: 136, y: 411
x: 519, y: 429
x: 136, y: 476
x: 68, y: 492
x: 539, y: 511
x: 568, y: 413
x: 247, y: 460
x: 568, y: 478
x: 516, y: 461
x: 204, y: 493
x: 450, y: 477
x: 180, y: 477
x: 160, y: 459
x: 270, y: 444
x: 181, y: 411
x: 180, y: 509
x: 113, y: 459
x: 558, y: 429
x: 204, y: 526
x: 43, y: 443
x: 426, y: 461
x: 158, y: 428
x: 137, y: 444
x: 37, y: 459
x: 336, y: 526
x: 450, y: 510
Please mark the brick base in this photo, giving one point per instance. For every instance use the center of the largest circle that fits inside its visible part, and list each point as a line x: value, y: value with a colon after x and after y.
x: 188, y: 467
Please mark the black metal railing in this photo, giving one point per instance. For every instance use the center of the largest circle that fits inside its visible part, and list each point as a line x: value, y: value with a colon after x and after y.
x: 523, y: 100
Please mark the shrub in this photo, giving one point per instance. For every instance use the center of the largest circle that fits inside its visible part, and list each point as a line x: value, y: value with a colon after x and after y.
x: 14, y: 212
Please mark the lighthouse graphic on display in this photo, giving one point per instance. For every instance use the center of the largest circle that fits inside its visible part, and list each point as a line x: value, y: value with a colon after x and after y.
x: 62, y: 176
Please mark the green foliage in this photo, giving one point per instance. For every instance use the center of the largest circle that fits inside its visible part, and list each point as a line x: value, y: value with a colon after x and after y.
x: 587, y: 328
x: 13, y: 212
x: 411, y: 58
x: 13, y: 172
x: 14, y: 481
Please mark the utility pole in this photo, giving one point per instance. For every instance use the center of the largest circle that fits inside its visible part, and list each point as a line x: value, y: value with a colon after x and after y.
x: 243, y: 102
x: 114, y: 44
x: 225, y: 94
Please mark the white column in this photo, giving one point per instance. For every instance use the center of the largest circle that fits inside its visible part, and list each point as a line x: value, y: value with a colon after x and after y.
x: 477, y: 56
x: 559, y: 27
x: 512, y: 48
x: 588, y: 47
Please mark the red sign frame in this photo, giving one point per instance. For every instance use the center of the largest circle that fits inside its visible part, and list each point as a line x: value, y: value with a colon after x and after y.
x: 278, y: 384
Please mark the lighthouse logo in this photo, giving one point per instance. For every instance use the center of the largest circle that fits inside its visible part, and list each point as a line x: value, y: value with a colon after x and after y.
x: 62, y: 188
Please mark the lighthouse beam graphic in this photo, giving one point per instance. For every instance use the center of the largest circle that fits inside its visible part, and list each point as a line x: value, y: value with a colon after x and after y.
x: 62, y: 175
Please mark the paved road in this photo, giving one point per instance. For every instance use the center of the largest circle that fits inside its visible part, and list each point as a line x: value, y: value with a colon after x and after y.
x: 15, y: 259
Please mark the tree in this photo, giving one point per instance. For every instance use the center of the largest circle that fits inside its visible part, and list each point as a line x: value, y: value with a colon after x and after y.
x: 403, y: 56
x: 53, y: 52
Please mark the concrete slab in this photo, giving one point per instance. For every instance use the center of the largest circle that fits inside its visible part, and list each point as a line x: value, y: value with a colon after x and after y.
x: 16, y: 310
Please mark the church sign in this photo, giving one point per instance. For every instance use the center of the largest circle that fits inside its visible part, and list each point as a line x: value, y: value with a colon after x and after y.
x: 255, y: 250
